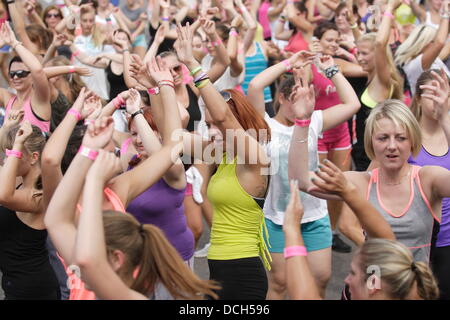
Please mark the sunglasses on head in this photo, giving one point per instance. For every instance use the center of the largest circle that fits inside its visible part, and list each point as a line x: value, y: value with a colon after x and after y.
x: 19, y: 74
x: 53, y: 15
x: 225, y: 95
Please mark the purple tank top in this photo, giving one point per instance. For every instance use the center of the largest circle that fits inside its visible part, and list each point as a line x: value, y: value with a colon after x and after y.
x: 162, y: 206
x: 426, y: 159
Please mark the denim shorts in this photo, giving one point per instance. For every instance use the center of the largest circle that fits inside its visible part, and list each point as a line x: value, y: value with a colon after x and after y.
x: 316, y: 235
x: 140, y: 41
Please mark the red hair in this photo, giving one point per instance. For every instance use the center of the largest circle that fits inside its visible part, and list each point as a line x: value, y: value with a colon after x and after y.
x: 247, y: 116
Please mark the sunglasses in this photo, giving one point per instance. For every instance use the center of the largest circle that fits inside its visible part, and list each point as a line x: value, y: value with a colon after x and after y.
x: 176, y: 68
x: 53, y: 15
x: 225, y: 95
x: 19, y: 73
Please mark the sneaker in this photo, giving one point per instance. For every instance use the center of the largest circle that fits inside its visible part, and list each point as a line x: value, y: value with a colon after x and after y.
x: 339, y: 245
x: 202, y: 253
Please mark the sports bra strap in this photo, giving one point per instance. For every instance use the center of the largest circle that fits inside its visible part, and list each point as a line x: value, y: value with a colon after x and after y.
x: 114, y: 200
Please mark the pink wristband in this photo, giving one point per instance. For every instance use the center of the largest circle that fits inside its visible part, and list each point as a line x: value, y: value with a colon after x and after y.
x: 76, y: 113
x: 388, y: 14
x: 287, y: 64
x: 217, y: 43
x: 118, y: 101
x: 14, y: 153
x: 89, y: 153
x: 71, y: 69
x: 302, y: 123
x: 76, y: 53
x: 233, y: 33
x: 295, y: 251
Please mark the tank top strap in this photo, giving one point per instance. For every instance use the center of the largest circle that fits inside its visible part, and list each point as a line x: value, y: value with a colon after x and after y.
x: 9, y: 105
x: 416, y: 177
x: 373, y: 179
x: 114, y: 199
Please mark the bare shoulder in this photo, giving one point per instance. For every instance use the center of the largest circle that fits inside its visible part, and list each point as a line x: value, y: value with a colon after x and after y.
x: 359, y: 178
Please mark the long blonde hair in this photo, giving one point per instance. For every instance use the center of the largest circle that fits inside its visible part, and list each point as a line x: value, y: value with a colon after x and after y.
x: 97, y: 36
x: 396, y: 78
x: 420, y: 37
x: 398, y: 271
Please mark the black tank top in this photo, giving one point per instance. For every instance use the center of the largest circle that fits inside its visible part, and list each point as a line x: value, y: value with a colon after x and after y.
x: 193, y: 110
x: 24, y: 261
x: 116, y: 82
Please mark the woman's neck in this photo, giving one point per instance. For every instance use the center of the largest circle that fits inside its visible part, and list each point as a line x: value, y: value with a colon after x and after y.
x: 22, y: 95
x: 394, y: 176
x: 282, y: 119
x: 29, y: 180
x: 429, y: 126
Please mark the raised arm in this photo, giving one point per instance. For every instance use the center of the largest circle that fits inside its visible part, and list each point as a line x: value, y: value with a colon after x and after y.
x: 130, y: 184
x: 383, y: 72
x: 56, y: 145
x: 236, y: 59
x: 19, y: 27
x: 251, y: 25
x: 90, y: 248
x: 270, y: 75
x: 299, y: 21
x: 222, y: 60
x: 60, y: 218
x: 303, y: 100
x: 438, y: 91
x: 97, y: 61
x: 350, y: 103
x: 418, y: 10
x: 219, y: 110
x: 21, y: 200
x: 300, y: 282
x: 432, y: 51
x: 40, y: 99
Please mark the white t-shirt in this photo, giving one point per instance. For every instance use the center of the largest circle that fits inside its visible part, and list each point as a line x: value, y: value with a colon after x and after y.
x: 279, y: 189
x: 97, y: 82
x: 226, y: 81
x: 413, y: 70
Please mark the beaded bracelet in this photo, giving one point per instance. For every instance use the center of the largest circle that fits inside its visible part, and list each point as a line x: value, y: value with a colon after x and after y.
x: 330, y: 72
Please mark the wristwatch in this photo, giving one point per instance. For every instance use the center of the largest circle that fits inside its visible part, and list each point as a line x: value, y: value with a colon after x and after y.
x: 134, y: 114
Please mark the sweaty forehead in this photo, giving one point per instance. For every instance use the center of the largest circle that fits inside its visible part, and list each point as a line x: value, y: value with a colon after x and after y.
x: 18, y: 66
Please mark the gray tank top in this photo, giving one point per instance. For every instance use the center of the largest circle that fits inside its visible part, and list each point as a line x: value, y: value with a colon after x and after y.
x: 414, y: 227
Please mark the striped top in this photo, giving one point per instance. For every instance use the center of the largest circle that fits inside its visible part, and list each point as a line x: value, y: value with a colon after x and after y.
x: 255, y: 64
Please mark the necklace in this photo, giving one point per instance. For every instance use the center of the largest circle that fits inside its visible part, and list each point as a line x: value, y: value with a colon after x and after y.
x: 396, y: 183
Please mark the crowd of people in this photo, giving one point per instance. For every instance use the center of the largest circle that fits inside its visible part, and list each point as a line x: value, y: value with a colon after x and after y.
x: 129, y: 126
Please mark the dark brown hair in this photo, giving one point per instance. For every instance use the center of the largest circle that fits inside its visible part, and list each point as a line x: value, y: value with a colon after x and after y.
x: 149, y: 252
x: 425, y: 77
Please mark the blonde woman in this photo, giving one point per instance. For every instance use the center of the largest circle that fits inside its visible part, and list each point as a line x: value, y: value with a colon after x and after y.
x: 408, y: 197
x: 421, y: 49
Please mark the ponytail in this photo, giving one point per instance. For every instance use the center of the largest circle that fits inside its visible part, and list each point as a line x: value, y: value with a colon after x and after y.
x: 150, y: 258
x: 426, y: 283
x: 161, y: 260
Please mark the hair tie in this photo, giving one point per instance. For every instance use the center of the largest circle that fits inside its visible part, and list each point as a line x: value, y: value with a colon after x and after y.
x: 141, y: 228
x: 413, y: 266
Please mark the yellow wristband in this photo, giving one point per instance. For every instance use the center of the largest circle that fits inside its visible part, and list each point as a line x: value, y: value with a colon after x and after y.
x: 203, y: 83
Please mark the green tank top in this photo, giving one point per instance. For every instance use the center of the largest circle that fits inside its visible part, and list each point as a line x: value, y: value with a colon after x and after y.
x: 238, y: 221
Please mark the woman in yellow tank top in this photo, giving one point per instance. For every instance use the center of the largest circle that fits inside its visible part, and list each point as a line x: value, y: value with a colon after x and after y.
x: 238, y: 187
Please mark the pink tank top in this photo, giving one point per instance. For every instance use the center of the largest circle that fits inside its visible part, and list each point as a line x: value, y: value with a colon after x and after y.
x: 28, y: 114
x: 263, y: 18
x: 326, y: 97
x: 297, y: 43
